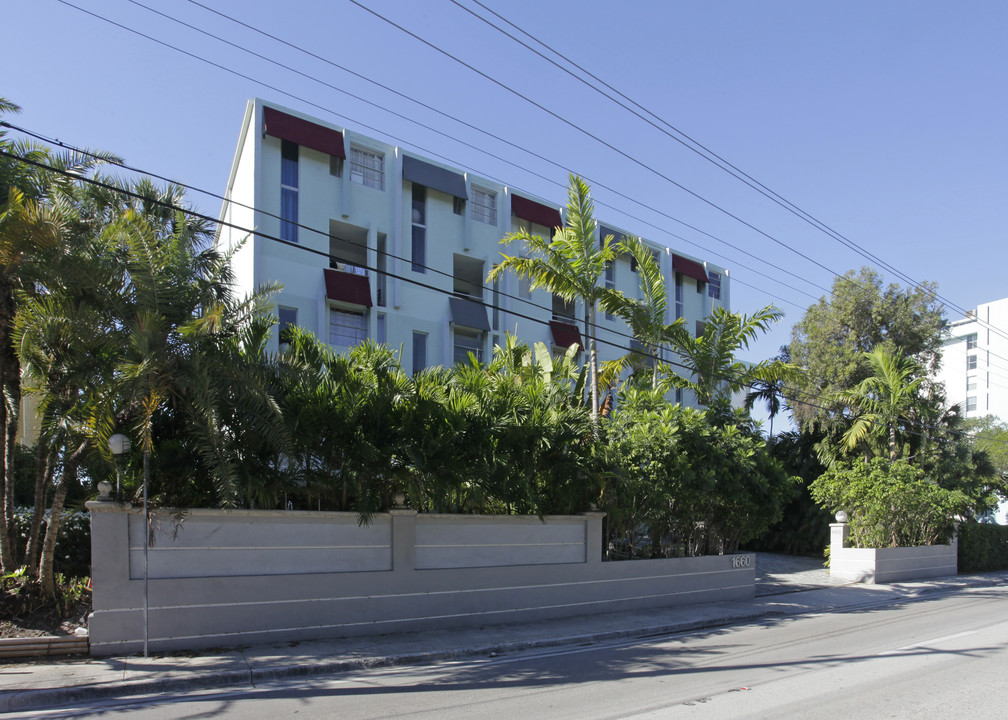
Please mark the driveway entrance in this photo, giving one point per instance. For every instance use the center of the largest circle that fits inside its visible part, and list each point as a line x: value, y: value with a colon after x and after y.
x: 778, y: 574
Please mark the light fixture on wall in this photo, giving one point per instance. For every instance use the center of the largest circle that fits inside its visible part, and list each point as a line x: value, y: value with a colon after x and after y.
x: 119, y: 445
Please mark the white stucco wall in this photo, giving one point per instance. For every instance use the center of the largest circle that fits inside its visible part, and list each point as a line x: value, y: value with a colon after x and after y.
x: 237, y: 577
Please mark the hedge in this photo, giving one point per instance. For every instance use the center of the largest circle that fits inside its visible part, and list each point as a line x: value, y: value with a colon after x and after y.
x: 983, y: 547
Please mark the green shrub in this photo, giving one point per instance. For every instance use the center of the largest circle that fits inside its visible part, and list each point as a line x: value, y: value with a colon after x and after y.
x: 73, y: 544
x: 890, y: 503
x: 982, y: 547
x: 688, y: 482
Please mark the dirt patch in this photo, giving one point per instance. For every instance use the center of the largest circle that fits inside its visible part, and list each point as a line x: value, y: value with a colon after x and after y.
x: 25, y: 611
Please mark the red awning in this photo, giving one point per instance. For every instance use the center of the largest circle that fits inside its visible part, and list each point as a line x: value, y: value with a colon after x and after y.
x: 689, y: 268
x: 565, y: 335
x: 535, y: 212
x: 287, y: 127
x: 347, y: 287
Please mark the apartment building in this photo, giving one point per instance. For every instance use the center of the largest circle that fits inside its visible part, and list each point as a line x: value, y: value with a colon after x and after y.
x: 383, y: 243
x: 974, y: 367
x: 974, y: 363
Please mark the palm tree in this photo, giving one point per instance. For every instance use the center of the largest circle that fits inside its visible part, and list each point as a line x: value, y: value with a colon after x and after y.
x: 645, y: 317
x: 769, y: 391
x: 571, y: 266
x: 37, y: 212
x: 181, y: 327
x: 714, y: 373
x: 883, y: 401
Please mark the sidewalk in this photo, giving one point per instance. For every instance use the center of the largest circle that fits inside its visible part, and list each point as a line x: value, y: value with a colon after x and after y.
x: 65, y: 683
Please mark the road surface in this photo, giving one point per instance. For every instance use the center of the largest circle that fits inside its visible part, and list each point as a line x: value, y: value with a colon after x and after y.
x: 944, y: 656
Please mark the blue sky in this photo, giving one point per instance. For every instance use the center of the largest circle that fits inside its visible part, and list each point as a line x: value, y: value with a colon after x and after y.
x: 884, y: 120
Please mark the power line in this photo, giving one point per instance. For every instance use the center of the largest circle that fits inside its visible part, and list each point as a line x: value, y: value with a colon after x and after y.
x: 76, y: 176
x: 596, y: 138
x: 449, y: 160
x: 223, y: 198
x: 948, y: 303
x: 249, y: 231
x: 695, y: 146
x: 453, y: 138
x: 478, y: 149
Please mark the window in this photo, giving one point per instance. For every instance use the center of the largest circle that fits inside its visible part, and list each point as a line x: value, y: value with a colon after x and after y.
x: 495, y: 310
x: 654, y: 254
x: 971, y: 384
x: 347, y: 328
x: 971, y: 341
x: 484, y: 205
x: 714, y: 285
x: 381, y: 334
x: 419, y: 214
x: 458, y: 205
x: 287, y: 317
x: 382, y: 272
x: 563, y: 310
x: 467, y: 277
x: 348, y: 254
x: 971, y: 362
x: 678, y: 396
x: 524, y: 285
x: 699, y: 287
x: 367, y: 167
x: 678, y: 296
x: 971, y: 403
x: 336, y: 166
x: 610, y: 282
x: 288, y: 191
x: 467, y: 341
x: 419, y: 351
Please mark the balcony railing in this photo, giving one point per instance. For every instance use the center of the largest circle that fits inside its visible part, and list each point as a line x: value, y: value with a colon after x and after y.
x: 348, y: 267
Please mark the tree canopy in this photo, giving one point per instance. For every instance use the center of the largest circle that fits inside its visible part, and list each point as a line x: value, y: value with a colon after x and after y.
x: 830, y: 341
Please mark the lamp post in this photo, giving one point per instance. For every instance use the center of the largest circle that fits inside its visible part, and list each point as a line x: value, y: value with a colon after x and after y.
x: 119, y: 444
x: 146, y: 478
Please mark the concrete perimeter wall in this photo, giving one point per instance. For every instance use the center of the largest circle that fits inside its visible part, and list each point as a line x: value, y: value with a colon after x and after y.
x: 236, y: 577
x: 882, y: 565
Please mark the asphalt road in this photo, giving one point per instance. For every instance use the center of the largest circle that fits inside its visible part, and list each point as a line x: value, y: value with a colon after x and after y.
x: 944, y: 656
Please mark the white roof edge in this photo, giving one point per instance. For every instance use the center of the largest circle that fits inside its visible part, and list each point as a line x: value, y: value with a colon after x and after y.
x: 246, y: 123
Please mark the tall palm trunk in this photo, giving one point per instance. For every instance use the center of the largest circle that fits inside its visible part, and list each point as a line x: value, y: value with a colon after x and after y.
x: 10, y: 383
x: 45, y: 459
x: 593, y: 363
x: 46, y: 574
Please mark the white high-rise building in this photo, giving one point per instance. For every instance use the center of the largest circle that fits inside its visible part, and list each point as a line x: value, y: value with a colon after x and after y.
x: 382, y: 243
x: 974, y: 366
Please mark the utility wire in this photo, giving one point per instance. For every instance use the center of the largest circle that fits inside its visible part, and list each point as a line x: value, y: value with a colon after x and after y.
x: 599, y: 140
x: 453, y: 138
x: 439, y: 132
x: 257, y: 233
x: 703, y: 151
x: 76, y: 176
x: 225, y: 199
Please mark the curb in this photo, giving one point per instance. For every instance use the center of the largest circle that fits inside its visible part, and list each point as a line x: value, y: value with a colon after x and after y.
x: 11, y: 648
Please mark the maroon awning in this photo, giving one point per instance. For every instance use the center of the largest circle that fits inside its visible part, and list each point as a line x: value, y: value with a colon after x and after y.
x: 565, y: 335
x: 287, y: 127
x: 535, y: 212
x: 347, y: 287
x: 689, y: 268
